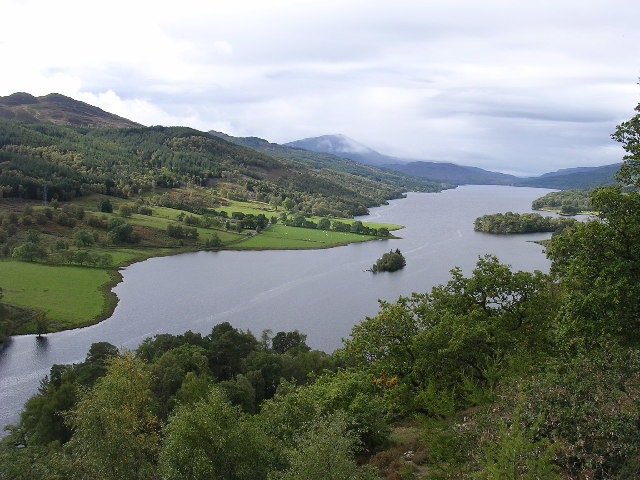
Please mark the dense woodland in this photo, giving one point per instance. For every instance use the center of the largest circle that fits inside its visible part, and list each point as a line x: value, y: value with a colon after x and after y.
x: 520, y: 223
x: 500, y: 375
x: 124, y: 162
x: 566, y: 202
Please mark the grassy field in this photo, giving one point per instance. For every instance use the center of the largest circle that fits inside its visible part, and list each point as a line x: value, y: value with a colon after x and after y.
x: 71, y: 294
x: 283, y: 237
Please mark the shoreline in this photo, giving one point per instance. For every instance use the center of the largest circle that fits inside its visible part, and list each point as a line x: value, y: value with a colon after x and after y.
x: 110, y: 299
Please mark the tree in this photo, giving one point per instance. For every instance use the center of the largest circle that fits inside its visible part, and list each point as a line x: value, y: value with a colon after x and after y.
x: 213, y: 241
x: 357, y: 227
x: 457, y: 331
x: 104, y: 206
x: 325, y: 451
x: 33, y: 236
x: 42, y: 323
x: 598, y: 262
x: 288, y: 204
x: 125, y: 210
x: 81, y: 257
x: 213, y: 439
x: 324, y: 224
x: 115, y: 431
x: 28, y: 252
x: 228, y: 347
x: 389, y: 262
x: 293, y: 342
x: 82, y: 238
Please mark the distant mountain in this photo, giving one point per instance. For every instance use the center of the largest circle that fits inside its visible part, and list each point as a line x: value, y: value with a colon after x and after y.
x: 580, y: 177
x: 346, y: 147
x: 457, y: 174
x: 322, y: 160
x: 443, y: 172
x: 60, y: 110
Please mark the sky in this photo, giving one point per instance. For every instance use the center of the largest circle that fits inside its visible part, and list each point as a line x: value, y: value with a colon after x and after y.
x: 514, y: 86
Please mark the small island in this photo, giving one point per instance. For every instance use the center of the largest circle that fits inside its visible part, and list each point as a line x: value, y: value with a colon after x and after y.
x: 389, y: 262
x: 505, y: 223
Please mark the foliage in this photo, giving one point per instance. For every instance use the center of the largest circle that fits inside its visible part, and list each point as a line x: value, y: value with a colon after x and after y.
x: 325, y: 451
x: 389, y: 262
x: 215, y: 440
x: 585, y: 406
x: 289, y: 342
x: 115, y: 430
x: 75, y: 162
x: 463, y: 331
x: 576, y: 200
x: 598, y: 264
x: 520, y: 223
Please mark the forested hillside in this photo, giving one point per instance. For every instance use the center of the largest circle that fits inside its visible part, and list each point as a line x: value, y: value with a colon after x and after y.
x: 498, y: 375
x: 73, y: 162
x: 566, y: 202
x: 334, y: 162
x: 574, y: 178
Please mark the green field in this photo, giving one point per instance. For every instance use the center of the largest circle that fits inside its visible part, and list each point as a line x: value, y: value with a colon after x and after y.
x: 283, y: 237
x: 72, y: 295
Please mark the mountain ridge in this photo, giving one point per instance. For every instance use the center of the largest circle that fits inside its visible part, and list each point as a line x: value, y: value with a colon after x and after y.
x: 320, y: 160
x: 447, y: 172
x: 59, y: 110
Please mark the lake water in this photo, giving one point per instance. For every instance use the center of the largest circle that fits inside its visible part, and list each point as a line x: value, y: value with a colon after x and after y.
x: 322, y: 293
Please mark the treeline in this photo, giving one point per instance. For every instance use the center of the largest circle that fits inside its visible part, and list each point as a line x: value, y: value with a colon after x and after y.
x: 72, y: 162
x: 520, y: 223
x: 568, y: 202
x: 193, y: 406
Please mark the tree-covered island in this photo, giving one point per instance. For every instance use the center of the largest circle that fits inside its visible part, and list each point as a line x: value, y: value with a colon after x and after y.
x: 510, y: 222
x: 389, y: 262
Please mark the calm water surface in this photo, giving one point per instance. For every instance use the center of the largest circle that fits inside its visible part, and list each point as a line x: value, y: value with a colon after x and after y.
x: 322, y: 293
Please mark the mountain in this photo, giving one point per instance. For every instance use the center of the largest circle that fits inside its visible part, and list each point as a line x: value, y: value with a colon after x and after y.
x: 346, y: 147
x: 580, y: 177
x: 322, y: 160
x: 456, y: 174
x: 451, y: 173
x: 567, y: 171
x: 60, y: 110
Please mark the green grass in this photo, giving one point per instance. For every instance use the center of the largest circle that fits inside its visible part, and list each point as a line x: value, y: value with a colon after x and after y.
x: 71, y: 296
x: 283, y: 237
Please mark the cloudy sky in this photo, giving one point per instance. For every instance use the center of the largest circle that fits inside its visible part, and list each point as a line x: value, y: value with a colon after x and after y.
x: 516, y: 86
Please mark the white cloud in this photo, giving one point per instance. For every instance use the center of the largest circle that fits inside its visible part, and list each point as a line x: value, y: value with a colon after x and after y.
x: 503, y: 85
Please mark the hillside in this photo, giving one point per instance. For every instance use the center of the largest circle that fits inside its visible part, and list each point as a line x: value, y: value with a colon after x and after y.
x: 585, y: 177
x: 73, y: 162
x: 457, y: 174
x: 60, y: 110
x: 323, y: 160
